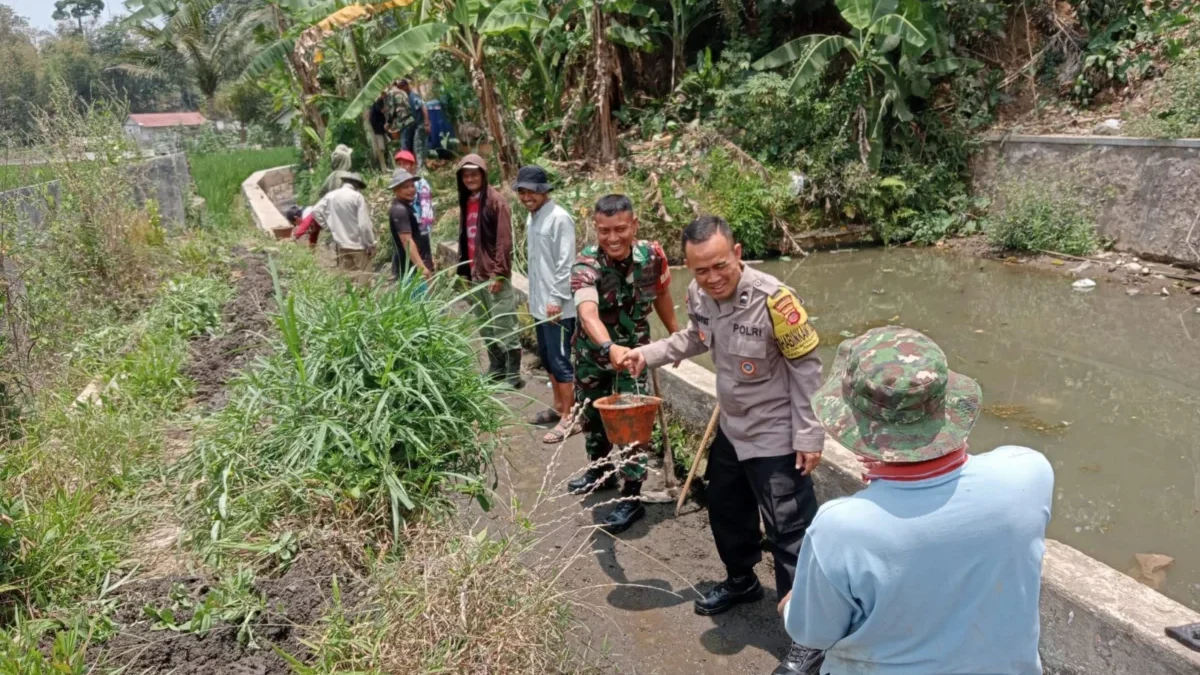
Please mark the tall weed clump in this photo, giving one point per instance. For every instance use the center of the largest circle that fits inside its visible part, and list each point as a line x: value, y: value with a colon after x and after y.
x: 1037, y: 214
x: 373, y: 410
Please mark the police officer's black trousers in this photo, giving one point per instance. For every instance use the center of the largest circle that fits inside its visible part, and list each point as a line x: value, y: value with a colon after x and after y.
x: 740, y: 491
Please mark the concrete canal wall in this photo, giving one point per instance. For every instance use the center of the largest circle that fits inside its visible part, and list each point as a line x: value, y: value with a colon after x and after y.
x: 1095, y: 620
x: 167, y: 180
x: 1145, y: 191
x: 268, y: 193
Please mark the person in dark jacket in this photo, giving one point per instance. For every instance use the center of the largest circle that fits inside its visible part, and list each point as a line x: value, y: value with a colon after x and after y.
x: 485, y: 247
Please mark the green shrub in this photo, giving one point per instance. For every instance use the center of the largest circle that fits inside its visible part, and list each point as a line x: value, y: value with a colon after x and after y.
x: 1039, y: 215
x: 375, y: 404
x: 1176, y: 109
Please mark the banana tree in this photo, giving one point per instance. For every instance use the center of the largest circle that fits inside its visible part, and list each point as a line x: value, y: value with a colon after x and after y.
x: 890, y: 43
x: 461, y: 28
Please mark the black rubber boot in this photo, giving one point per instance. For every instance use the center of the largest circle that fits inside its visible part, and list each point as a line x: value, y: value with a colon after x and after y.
x: 496, y: 364
x: 627, y: 512
x: 801, y: 661
x: 513, y: 367
x: 590, y: 481
x: 732, y: 591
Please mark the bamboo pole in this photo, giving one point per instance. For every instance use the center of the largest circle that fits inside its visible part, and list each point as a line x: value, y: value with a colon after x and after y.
x: 701, y: 452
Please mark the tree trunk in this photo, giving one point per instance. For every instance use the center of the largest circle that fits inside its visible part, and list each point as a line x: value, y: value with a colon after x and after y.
x: 305, y: 74
x: 506, y: 151
x: 606, y: 149
x: 751, y: 9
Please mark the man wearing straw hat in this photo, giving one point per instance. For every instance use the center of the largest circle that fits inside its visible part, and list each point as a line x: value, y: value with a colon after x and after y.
x: 936, y: 566
x: 616, y: 283
x: 769, y: 441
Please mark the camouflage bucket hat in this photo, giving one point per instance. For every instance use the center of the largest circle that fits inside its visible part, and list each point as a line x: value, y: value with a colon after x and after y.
x: 891, y: 397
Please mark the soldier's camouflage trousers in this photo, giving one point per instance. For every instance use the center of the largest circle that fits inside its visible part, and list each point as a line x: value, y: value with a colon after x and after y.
x: 592, y: 382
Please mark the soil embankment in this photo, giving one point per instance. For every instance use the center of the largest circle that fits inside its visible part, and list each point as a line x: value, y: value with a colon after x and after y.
x: 285, y: 606
x: 213, y: 361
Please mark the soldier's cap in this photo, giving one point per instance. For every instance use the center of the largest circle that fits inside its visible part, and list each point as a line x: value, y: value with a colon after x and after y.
x: 400, y: 177
x: 892, y: 398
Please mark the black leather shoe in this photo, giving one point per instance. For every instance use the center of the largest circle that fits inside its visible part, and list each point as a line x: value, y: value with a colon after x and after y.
x: 725, y: 595
x: 590, y: 481
x: 624, y: 516
x: 801, y: 661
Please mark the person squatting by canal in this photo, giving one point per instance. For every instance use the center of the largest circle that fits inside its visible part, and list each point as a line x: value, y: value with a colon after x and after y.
x: 550, y: 233
x: 485, y: 248
x: 768, y: 441
x: 936, y: 566
x: 615, y: 284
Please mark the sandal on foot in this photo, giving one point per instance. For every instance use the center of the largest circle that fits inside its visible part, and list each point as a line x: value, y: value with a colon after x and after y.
x: 545, y: 417
x: 558, y: 434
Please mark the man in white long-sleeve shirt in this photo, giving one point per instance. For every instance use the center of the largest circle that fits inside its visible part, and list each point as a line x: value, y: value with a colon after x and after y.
x: 550, y: 233
x: 344, y: 213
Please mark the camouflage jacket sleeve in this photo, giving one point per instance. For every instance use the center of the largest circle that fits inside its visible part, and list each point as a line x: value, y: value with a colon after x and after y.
x: 663, y: 269
x: 797, y: 341
x: 685, y: 344
x: 585, y: 274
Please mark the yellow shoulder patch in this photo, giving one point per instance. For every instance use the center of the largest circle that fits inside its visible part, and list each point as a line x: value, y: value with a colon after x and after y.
x: 793, y: 333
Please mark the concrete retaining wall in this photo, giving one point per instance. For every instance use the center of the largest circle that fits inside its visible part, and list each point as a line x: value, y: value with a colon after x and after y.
x: 1146, y: 192
x: 167, y: 180
x: 268, y: 193
x: 1095, y: 620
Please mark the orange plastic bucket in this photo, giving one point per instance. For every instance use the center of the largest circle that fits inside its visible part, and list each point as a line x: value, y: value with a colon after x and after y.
x: 628, y: 418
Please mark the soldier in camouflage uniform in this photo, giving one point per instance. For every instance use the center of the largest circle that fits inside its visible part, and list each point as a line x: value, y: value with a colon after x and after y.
x: 615, y: 284
x: 935, y: 567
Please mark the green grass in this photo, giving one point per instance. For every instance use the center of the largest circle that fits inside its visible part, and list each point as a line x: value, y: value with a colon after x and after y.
x: 13, y: 176
x: 218, y: 176
x: 374, y: 402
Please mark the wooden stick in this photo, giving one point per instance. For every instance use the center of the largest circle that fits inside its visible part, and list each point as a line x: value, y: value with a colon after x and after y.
x: 701, y: 452
x: 668, y: 456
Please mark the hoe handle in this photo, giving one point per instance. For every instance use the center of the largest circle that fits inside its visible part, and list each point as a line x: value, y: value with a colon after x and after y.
x: 701, y: 453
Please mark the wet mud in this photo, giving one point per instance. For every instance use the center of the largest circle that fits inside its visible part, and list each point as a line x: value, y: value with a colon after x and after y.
x: 295, y: 601
x: 634, y: 592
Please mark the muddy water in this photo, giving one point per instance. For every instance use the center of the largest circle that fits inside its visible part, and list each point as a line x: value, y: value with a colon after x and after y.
x: 1106, y: 385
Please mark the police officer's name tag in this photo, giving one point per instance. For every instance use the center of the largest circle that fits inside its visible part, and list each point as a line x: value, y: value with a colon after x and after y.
x: 793, y: 333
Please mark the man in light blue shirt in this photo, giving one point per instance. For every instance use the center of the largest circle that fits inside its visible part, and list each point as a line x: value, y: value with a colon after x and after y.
x: 934, y: 568
x: 550, y: 233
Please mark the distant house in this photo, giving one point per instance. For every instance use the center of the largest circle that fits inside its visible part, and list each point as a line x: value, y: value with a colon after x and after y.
x: 153, y: 130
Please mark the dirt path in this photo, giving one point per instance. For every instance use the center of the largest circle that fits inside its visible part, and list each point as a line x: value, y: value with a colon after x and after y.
x: 635, y: 591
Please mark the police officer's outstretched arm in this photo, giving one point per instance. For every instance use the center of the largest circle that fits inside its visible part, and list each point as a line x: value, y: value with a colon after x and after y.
x: 798, y: 341
x: 679, y: 345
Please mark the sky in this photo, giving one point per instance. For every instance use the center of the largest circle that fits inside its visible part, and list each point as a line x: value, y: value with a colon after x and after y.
x: 38, y: 11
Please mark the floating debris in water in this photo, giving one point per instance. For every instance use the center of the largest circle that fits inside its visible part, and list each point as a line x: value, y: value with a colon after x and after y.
x: 1151, y: 569
x: 1084, y: 285
x: 1026, y: 419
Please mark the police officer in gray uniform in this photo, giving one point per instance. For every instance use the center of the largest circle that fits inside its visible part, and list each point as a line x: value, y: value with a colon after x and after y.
x: 769, y: 440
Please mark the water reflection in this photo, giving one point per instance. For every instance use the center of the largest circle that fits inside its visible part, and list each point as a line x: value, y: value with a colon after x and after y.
x: 1106, y: 385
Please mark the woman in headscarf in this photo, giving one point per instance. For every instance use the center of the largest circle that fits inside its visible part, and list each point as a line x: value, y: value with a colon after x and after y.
x: 339, y: 163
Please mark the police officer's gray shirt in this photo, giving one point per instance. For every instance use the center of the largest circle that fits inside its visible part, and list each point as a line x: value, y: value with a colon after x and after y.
x: 765, y: 397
